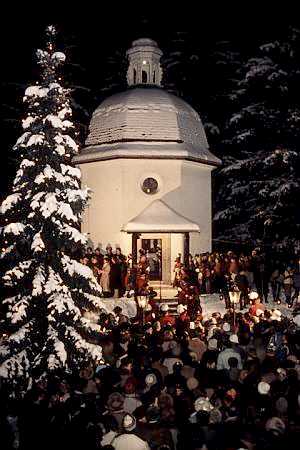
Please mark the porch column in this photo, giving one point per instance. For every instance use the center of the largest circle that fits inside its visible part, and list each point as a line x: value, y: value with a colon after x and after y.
x: 186, y: 249
x: 135, y: 237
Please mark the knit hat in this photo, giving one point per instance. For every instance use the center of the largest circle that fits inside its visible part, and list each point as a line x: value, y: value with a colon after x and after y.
x: 203, y: 404
x: 150, y: 379
x: 234, y: 339
x: 164, y: 307
x: 181, y: 308
x: 276, y: 315
x: 226, y: 327
x: 128, y: 422
x: 212, y: 344
x: 263, y: 388
x: 275, y: 425
x: 253, y: 295
x: 153, y: 414
x: 115, y: 402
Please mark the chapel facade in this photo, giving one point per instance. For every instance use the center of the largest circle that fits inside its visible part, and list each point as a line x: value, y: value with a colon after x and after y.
x: 148, y: 164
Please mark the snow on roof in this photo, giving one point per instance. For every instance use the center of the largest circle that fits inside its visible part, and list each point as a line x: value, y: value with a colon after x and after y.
x: 159, y: 217
x: 148, y: 116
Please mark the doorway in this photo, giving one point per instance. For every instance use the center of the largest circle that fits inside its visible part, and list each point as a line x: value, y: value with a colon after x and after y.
x: 153, y: 249
x: 158, y: 246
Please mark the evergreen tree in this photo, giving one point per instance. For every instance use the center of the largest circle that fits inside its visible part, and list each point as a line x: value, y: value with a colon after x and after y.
x: 260, y: 185
x: 48, y: 290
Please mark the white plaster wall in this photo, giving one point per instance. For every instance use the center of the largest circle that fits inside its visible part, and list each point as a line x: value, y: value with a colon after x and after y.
x: 117, y: 197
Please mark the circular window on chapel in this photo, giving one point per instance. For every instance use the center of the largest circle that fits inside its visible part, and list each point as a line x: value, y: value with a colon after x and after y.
x: 150, y: 186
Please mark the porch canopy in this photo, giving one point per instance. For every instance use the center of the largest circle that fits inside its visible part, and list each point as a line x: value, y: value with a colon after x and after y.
x: 158, y: 217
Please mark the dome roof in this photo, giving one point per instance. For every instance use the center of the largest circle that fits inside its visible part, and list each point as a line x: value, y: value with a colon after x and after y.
x: 146, y: 122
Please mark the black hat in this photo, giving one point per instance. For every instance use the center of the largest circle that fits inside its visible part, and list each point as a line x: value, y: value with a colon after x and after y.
x: 153, y: 414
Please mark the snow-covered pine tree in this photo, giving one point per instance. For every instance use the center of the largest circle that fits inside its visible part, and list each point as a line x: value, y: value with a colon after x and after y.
x: 257, y: 201
x: 48, y: 288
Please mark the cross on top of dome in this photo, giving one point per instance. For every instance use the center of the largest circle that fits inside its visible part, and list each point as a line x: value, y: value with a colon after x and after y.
x: 144, y: 63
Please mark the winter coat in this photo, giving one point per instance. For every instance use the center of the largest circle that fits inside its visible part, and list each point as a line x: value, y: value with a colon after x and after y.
x: 129, y: 441
x: 104, y: 280
x: 115, y: 276
x: 224, y: 356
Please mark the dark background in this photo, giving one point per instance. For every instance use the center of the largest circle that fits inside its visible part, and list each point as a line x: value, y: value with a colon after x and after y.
x: 95, y: 40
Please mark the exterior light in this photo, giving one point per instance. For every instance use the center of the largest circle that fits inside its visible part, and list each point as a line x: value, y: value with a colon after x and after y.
x: 234, y: 296
x: 142, y: 301
x: 144, y: 62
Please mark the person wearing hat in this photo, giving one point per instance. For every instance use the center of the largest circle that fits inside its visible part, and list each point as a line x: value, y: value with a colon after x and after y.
x: 152, y: 430
x: 166, y: 318
x: 210, y: 356
x: 197, y: 346
x: 182, y: 321
x: 105, y: 277
x: 131, y: 399
x: 257, y: 305
x: 229, y: 352
x: 115, y: 406
x: 128, y: 440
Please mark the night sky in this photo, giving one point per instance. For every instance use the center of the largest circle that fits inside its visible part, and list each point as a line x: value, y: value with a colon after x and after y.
x: 96, y: 40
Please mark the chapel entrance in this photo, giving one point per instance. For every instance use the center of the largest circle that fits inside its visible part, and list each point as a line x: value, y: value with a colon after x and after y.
x: 153, y: 249
x: 158, y: 250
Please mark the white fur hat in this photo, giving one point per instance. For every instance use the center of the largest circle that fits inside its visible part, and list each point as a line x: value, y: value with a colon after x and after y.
x: 203, y: 404
x: 129, y: 422
x: 253, y: 295
x: 164, y: 307
x: 212, y: 344
x: 150, y: 379
x: 263, y: 388
x: 234, y: 339
x: 276, y: 315
x: 226, y: 327
x: 181, y: 308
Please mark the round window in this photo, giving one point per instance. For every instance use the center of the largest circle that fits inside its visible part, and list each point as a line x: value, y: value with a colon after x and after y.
x: 150, y: 186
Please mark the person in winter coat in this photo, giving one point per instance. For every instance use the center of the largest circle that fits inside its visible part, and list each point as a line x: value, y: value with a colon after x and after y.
x: 288, y: 285
x: 276, y: 284
x: 243, y: 285
x: 105, y: 277
x: 229, y: 352
x: 116, y: 277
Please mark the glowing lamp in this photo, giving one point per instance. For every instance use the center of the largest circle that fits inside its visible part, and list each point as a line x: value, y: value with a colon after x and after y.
x: 142, y: 301
x: 234, y: 296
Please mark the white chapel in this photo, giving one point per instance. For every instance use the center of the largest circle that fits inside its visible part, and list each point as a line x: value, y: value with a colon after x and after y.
x: 148, y: 164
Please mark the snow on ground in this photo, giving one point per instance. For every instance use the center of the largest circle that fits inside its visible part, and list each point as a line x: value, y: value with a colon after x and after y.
x: 211, y: 303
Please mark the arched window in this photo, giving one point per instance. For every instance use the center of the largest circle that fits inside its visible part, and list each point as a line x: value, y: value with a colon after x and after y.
x: 144, y: 76
x: 154, y: 76
x: 134, y: 76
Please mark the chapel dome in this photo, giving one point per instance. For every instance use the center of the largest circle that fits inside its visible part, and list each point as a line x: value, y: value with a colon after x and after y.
x: 146, y: 121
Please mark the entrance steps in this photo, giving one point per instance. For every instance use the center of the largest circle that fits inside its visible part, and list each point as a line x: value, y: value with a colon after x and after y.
x: 166, y: 294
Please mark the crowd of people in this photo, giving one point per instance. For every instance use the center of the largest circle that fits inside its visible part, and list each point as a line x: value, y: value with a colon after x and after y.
x: 206, y: 274
x: 170, y: 383
x: 116, y: 273
x: 174, y: 382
